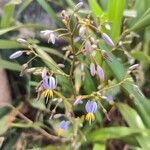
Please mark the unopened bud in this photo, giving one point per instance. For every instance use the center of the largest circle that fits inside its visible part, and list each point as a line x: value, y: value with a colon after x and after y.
x: 133, y: 67
x: 78, y: 6
x: 82, y: 31
x: 100, y: 73
x: 16, y: 54
x: 108, y: 40
x: 20, y: 40
x: 88, y: 46
x: 92, y: 69
x: 105, y: 55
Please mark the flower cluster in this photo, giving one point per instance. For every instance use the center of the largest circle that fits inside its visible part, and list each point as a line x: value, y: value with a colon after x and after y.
x: 80, y: 57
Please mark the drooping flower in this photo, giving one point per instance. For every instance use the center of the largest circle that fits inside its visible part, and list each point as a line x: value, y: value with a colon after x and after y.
x: 78, y: 100
x: 91, y: 108
x: 63, y: 126
x: 92, y: 69
x: 16, y: 54
x: 50, y: 35
x: 49, y: 84
x: 100, y: 73
x: 88, y: 46
x: 108, y: 40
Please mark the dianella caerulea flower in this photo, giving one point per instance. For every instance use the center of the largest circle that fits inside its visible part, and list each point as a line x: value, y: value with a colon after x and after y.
x: 49, y: 84
x: 63, y: 126
x: 91, y: 108
x: 108, y: 40
x: 50, y: 35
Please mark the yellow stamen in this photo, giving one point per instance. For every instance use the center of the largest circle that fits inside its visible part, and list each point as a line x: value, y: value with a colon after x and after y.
x: 60, y: 132
x: 47, y: 93
x: 90, y: 117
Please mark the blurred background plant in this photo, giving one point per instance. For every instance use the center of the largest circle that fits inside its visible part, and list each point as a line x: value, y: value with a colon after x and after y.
x: 28, y: 123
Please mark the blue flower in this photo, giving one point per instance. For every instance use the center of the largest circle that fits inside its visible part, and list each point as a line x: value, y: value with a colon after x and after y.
x: 50, y: 35
x: 49, y: 84
x: 91, y: 108
x: 63, y: 126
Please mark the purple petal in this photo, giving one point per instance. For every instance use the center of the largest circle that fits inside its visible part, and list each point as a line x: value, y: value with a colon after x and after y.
x: 94, y: 107
x: 53, y: 38
x: 108, y: 40
x: 92, y: 69
x: 45, y: 82
x: 64, y: 125
x: 100, y: 73
x: 109, y: 98
x: 52, y: 83
x: 88, y: 106
x: 16, y: 55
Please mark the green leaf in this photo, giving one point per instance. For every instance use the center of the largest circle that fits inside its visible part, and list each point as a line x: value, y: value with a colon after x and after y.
x: 141, y: 56
x: 39, y: 104
x: 52, y: 14
x: 7, y: 15
x: 131, y: 116
x: 9, y: 65
x: 135, y: 121
x: 48, y: 60
x: 30, y: 25
x: 95, y: 8
x: 142, y: 23
x: 104, y: 134
x: 99, y: 147
x: 115, y: 14
x: 10, y: 44
x: 23, y: 6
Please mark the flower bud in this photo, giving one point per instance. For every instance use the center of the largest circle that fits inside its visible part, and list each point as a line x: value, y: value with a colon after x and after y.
x: 88, y: 46
x: 133, y: 67
x: 78, y: 100
x: 100, y: 73
x: 105, y: 55
x: 78, y: 6
x: 16, y: 54
x: 82, y: 67
x: 92, y: 69
x: 108, y: 40
x: 61, y: 65
x: 20, y: 40
x: 56, y: 116
x: 82, y: 31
